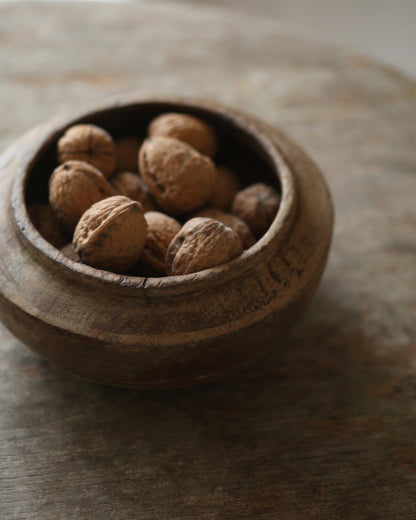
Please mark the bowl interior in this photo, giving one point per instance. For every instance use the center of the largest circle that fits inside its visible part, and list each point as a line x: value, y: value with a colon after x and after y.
x: 243, y: 146
x: 239, y: 148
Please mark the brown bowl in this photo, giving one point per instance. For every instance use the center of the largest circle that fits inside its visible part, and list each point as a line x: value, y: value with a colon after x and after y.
x: 177, y: 330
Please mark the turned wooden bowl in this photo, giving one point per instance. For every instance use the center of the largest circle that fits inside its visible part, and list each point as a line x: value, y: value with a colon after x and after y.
x: 172, y: 331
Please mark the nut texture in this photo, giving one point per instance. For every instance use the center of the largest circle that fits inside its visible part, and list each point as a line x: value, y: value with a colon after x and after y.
x: 186, y: 128
x: 257, y: 205
x: 127, y: 149
x: 46, y: 222
x: 91, y: 144
x: 225, y: 187
x: 133, y: 186
x: 200, y: 244
x: 232, y: 221
x: 70, y: 252
x: 160, y: 231
x: 179, y: 178
x: 73, y: 188
x: 111, y: 234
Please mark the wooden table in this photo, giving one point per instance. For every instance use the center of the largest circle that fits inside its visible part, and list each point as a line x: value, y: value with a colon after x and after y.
x: 324, y: 428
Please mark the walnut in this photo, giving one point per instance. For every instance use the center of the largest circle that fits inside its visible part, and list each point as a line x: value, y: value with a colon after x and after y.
x: 232, y: 221
x: 226, y: 186
x: 128, y: 154
x: 88, y: 143
x: 257, y: 205
x: 133, y: 186
x: 73, y: 188
x: 179, y: 178
x: 70, y: 252
x: 200, y: 244
x: 186, y: 128
x: 111, y: 234
x: 46, y: 222
x: 160, y: 231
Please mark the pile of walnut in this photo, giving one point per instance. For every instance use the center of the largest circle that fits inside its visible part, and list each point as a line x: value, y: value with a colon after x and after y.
x: 122, y: 202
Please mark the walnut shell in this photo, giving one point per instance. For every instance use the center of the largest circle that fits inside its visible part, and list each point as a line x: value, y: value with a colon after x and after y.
x: 160, y: 231
x: 91, y: 144
x: 127, y: 149
x: 179, y: 178
x: 186, y: 128
x: 111, y: 234
x: 70, y: 252
x: 46, y: 222
x: 133, y: 186
x: 232, y: 221
x: 200, y: 244
x: 257, y: 205
x: 226, y: 186
x: 73, y: 188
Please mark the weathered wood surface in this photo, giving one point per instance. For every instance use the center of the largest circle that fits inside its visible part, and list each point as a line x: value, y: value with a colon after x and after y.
x: 324, y: 427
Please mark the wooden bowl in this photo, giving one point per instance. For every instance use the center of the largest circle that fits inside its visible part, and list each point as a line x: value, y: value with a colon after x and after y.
x: 172, y: 331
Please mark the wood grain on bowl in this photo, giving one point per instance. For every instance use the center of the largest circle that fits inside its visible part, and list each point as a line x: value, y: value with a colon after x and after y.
x: 176, y: 330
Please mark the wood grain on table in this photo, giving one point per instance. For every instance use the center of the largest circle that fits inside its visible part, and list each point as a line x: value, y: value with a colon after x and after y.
x: 324, y: 427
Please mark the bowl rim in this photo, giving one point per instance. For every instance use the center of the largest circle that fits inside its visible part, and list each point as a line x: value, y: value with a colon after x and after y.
x: 253, y: 128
